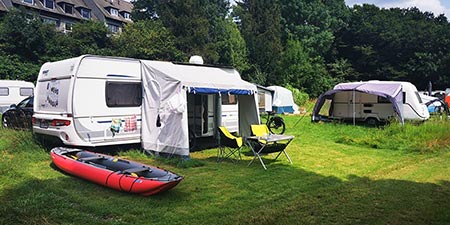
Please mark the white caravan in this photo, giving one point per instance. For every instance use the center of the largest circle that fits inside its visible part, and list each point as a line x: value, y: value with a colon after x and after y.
x: 14, y: 91
x: 97, y: 101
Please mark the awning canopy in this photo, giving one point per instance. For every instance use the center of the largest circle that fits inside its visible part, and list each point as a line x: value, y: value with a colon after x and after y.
x: 390, y: 91
x: 201, y: 79
x: 164, y: 109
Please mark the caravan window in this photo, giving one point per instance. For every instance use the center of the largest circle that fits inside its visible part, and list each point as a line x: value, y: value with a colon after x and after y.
x: 383, y: 100
x: 26, y: 91
x: 123, y: 94
x: 418, y: 97
x: 261, y: 99
x: 229, y: 100
x: 4, y: 91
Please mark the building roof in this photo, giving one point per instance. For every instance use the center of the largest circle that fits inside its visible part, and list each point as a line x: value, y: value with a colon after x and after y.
x: 39, y: 5
x: 2, y: 6
x: 120, y: 5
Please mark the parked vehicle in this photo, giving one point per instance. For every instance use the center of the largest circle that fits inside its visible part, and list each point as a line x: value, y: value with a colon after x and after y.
x: 372, y: 102
x: 98, y: 101
x: 14, y: 91
x: 19, y: 116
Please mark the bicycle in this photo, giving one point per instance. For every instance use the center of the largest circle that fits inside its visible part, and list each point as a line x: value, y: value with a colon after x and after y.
x: 275, y: 123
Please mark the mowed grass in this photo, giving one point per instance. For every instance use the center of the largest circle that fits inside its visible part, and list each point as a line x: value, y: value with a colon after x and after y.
x: 341, y: 174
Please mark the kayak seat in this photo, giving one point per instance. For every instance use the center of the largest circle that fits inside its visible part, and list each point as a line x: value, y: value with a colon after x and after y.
x: 137, y: 170
x: 91, y: 158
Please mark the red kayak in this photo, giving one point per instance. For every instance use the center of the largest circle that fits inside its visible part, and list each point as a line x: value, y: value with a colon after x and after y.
x: 119, y: 174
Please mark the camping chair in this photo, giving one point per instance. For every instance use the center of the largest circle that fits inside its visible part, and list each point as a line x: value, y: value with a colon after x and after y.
x: 229, y: 145
x: 260, y: 130
x: 262, y: 142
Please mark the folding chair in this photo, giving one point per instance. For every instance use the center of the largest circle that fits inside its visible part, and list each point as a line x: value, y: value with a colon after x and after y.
x: 264, y: 143
x: 229, y: 145
x: 260, y: 129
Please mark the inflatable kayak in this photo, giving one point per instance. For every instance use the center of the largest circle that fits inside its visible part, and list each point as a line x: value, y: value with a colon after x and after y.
x: 119, y: 174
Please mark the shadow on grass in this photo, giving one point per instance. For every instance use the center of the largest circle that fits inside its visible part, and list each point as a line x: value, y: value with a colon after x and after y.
x: 230, y: 194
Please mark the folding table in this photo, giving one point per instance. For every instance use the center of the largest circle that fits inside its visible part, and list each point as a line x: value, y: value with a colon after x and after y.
x: 270, y: 143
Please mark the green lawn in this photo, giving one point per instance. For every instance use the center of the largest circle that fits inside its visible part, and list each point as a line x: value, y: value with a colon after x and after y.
x: 341, y: 174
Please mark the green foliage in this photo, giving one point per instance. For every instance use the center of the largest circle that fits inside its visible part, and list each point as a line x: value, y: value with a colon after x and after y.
x: 303, y: 71
x: 300, y: 98
x: 13, y: 68
x: 147, y: 39
x: 193, y: 23
x: 89, y: 37
x: 396, y: 44
x: 260, y: 25
x: 24, y: 36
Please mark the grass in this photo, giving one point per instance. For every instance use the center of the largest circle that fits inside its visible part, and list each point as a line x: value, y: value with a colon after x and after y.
x: 341, y: 174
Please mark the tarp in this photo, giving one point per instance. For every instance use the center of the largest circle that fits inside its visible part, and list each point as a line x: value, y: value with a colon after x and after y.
x: 164, y: 109
x: 390, y: 91
x: 283, y: 101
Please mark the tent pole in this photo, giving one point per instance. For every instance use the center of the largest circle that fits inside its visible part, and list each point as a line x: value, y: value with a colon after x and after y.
x: 354, y: 112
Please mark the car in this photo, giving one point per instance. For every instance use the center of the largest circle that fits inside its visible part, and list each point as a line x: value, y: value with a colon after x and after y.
x: 20, y: 115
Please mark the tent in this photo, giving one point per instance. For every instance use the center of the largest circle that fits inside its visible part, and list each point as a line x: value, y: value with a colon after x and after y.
x: 390, y: 91
x: 283, y: 102
x: 164, y: 109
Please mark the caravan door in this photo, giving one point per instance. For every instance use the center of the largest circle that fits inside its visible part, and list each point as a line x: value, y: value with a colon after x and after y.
x: 201, y: 114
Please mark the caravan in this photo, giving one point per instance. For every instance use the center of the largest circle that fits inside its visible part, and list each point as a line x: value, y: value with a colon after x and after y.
x: 372, y: 102
x: 14, y: 91
x: 97, y: 101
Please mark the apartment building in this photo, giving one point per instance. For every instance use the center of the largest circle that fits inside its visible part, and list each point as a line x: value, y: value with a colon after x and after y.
x: 64, y: 13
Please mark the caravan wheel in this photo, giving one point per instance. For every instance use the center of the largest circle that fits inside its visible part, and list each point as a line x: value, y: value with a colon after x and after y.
x: 372, y: 121
x: 5, y: 121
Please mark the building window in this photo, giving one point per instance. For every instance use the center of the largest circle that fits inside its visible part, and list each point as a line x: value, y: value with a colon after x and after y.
x: 68, y: 27
x: 85, y: 13
x: 50, y: 21
x: 114, y: 12
x: 26, y: 91
x: 127, y: 16
x: 50, y: 4
x: 113, y: 28
x: 123, y: 94
x: 68, y: 8
x: 4, y: 91
x: 29, y: 1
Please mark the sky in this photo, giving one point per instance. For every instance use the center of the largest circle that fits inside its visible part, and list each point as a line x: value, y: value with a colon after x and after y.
x: 435, y: 6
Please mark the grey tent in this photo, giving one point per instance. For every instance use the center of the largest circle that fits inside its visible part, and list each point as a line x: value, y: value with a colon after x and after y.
x: 390, y: 91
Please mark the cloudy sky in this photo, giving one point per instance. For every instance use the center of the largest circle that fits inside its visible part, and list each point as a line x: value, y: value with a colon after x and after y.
x: 435, y: 6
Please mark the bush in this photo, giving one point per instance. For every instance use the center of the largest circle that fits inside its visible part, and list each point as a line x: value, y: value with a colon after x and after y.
x: 300, y: 98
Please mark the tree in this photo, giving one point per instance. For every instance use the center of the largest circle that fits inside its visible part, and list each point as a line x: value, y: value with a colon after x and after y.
x: 303, y: 71
x: 147, y: 39
x: 194, y: 24
x: 24, y: 36
x: 260, y: 25
x: 231, y: 47
x: 89, y: 37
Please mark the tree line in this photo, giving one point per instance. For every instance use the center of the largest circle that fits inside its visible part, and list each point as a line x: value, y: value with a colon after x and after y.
x: 310, y: 45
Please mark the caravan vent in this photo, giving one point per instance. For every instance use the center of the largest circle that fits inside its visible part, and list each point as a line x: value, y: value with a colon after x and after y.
x: 196, y: 59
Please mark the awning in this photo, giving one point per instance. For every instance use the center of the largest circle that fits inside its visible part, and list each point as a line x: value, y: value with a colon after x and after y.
x: 390, y: 91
